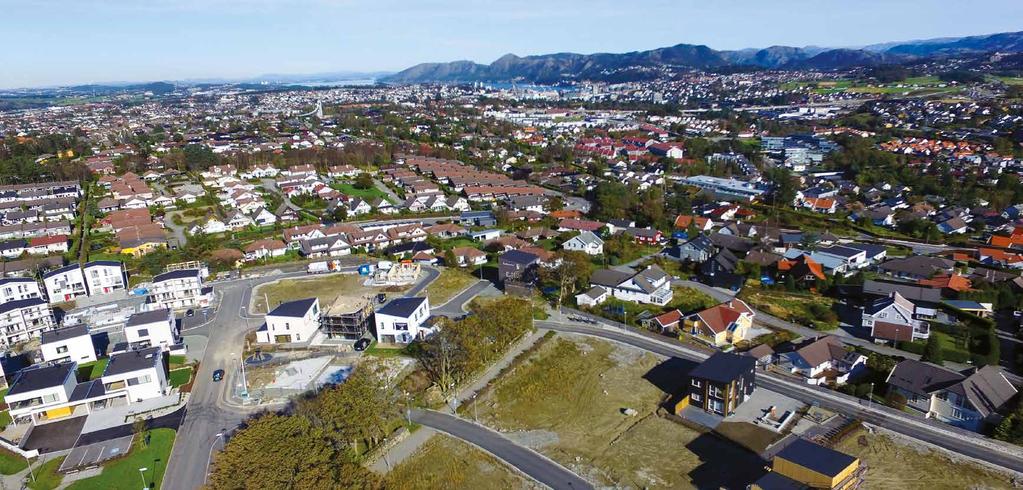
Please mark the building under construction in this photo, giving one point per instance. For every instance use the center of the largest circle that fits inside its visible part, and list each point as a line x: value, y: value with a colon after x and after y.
x: 346, y: 318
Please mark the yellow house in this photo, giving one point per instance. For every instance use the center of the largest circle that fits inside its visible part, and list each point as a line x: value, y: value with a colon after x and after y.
x: 805, y: 463
x: 726, y: 323
x: 140, y: 249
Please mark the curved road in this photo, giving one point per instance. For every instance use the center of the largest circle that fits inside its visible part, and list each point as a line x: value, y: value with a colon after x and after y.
x: 526, y: 460
x: 209, y: 409
x: 954, y: 439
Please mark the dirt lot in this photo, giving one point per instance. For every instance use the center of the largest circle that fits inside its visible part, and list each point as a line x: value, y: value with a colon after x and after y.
x: 894, y: 464
x: 326, y: 288
x: 567, y: 401
x: 454, y: 465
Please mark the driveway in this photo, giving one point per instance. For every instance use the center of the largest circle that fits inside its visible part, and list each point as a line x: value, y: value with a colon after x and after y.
x: 55, y: 436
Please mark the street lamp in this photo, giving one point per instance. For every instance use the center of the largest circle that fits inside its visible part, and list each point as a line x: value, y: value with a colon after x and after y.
x: 142, y: 475
x: 209, y: 459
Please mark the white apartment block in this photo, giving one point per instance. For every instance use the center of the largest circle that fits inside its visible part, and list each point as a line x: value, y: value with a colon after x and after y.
x: 292, y: 321
x: 178, y: 289
x: 17, y: 288
x: 104, y: 276
x: 155, y: 328
x: 65, y: 284
x: 24, y: 319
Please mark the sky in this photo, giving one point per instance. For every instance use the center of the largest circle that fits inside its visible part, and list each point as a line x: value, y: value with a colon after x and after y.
x: 60, y: 42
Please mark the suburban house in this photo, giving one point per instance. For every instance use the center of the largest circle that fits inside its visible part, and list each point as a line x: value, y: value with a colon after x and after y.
x: 804, y: 464
x: 894, y: 319
x: 403, y: 320
x: 699, y: 249
x: 666, y: 322
x: 468, y: 256
x: 264, y: 249
x: 65, y: 284
x: 723, y: 324
x: 971, y: 399
x: 152, y: 328
x: 178, y: 289
x: 50, y: 391
x: 291, y: 321
x: 722, y: 382
x: 104, y: 276
x: 822, y: 360
x: 586, y: 242
x: 683, y: 222
x: 518, y: 266
x: 68, y: 344
x: 651, y: 285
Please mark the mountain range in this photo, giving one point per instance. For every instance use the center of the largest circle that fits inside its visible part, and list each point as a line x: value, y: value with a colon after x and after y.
x: 639, y: 65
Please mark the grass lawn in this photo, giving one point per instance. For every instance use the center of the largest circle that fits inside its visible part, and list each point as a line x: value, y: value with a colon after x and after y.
x: 124, y: 472
x: 371, y: 193
x: 177, y: 361
x: 326, y: 288
x: 444, y: 462
x: 46, y: 476
x: 452, y: 280
x: 891, y: 464
x: 376, y: 350
x: 11, y: 463
x: 92, y: 370
x: 802, y: 308
x: 179, y: 377
x: 5, y: 419
x: 567, y: 400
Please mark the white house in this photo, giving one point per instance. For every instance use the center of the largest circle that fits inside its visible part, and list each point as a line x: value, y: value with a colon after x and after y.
x: 292, y: 321
x: 155, y: 328
x: 651, y: 285
x: 262, y: 217
x: 894, y: 319
x: 50, y: 391
x: 65, y: 284
x: 138, y: 374
x: 24, y: 319
x: 214, y: 225
x: 586, y: 242
x: 16, y: 288
x: 104, y: 276
x: 823, y: 359
x: 178, y: 289
x: 402, y: 320
x: 266, y: 248
x: 68, y: 344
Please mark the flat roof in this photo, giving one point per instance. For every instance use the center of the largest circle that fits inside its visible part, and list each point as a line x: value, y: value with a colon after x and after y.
x: 65, y: 333
x: 723, y: 367
x: 41, y: 376
x: 401, y: 307
x: 135, y: 360
x: 815, y: 457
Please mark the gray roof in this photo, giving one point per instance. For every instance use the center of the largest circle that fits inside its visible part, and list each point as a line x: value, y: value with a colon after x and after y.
x: 909, y: 291
x: 41, y: 376
x: 135, y: 360
x: 921, y: 377
x: 294, y: 309
x: 608, y: 277
x: 147, y: 317
x: 65, y: 333
x: 987, y: 389
x: 919, y: 265
x: 401, y: 307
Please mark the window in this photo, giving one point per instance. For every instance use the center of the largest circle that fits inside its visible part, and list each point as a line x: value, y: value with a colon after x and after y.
x: 697, y: 383
x: 143, y: 332
x: 957, y: 414
x: 62, y: 349
x: 696, y: 397
x: 287, y: 326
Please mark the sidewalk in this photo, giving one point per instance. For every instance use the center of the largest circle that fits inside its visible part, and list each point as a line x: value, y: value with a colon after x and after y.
x: 408, y: 446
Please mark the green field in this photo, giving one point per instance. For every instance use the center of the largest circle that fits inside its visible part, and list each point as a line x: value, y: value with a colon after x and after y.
x: 367, y: 194
x: 123, y: 473
x: 11, y: 463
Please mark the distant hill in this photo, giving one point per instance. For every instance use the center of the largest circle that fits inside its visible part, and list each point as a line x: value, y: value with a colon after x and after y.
x: 560, y: 67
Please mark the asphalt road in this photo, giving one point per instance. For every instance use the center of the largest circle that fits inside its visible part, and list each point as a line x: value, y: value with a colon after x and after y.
x: 454, y: 307
x: 210, y: 409
x: 951, y: 438
x: 526, y: 460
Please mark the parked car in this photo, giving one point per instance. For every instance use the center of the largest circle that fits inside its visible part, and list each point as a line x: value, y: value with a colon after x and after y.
x: 190, y: 313
x: 362, y: 344
x: 218, y: 375
x: 381, y: 297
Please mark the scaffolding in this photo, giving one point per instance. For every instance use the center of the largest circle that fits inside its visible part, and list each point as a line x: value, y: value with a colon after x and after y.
x: 347, y: 318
